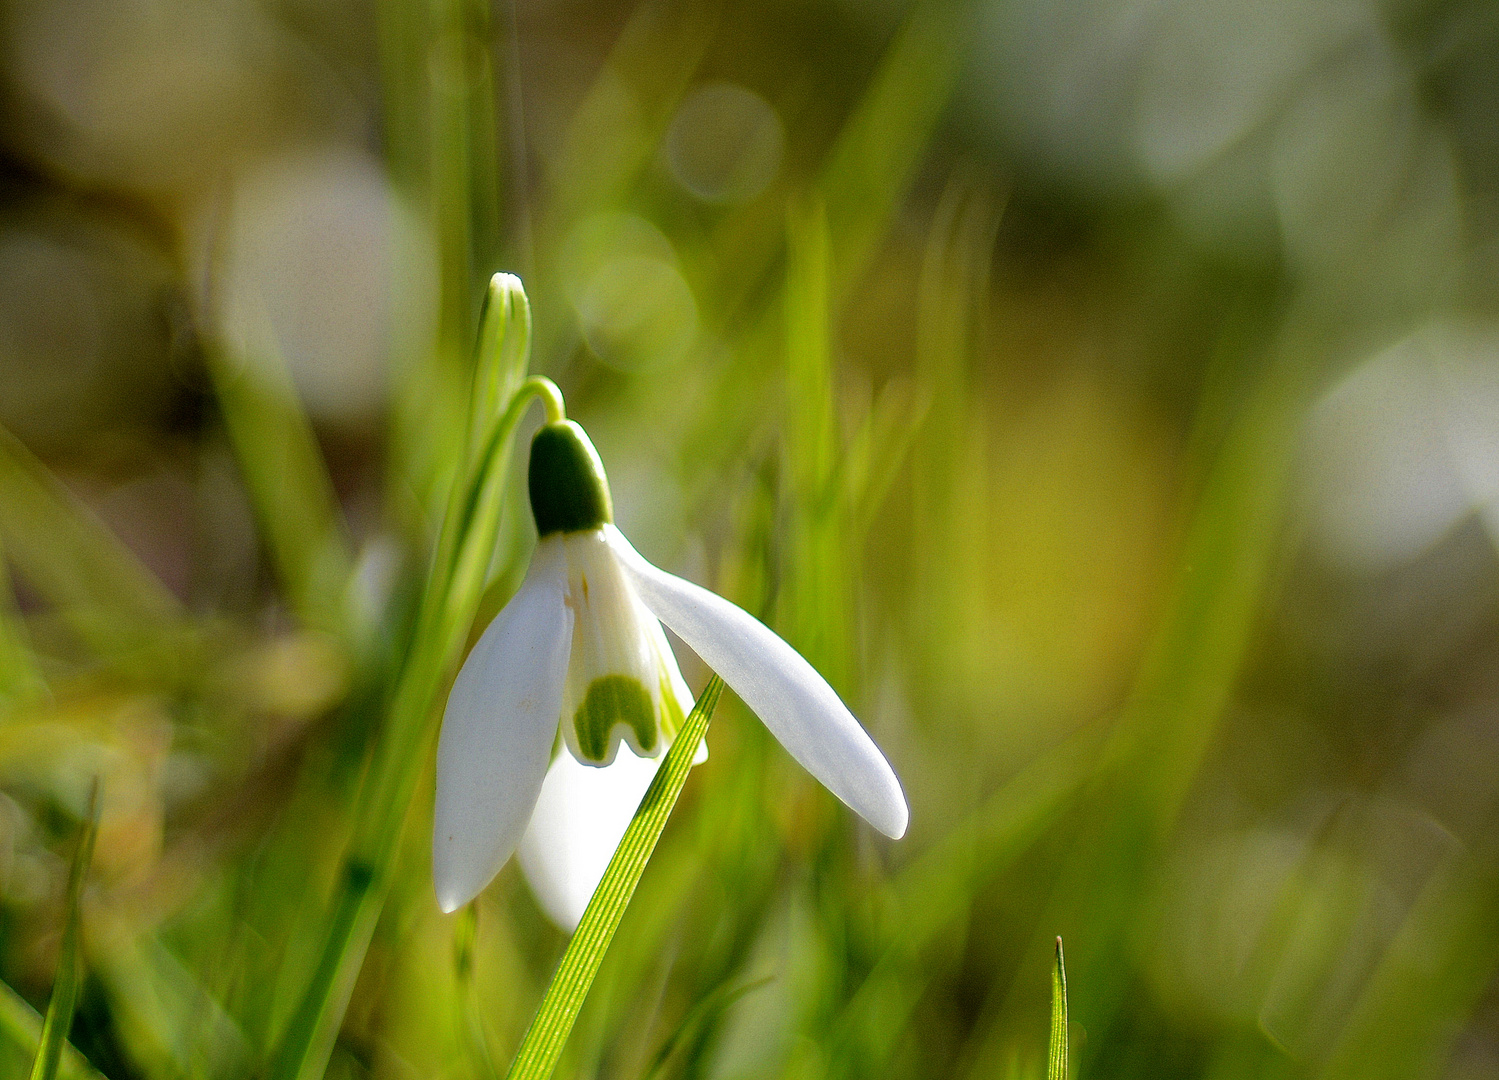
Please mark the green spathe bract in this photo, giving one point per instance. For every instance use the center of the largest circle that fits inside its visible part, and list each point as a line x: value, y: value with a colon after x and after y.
x: 569, y: 492
x: 614, y: 699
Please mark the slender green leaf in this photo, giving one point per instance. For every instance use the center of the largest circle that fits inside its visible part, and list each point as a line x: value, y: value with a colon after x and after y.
x: 464, y: 551
x: 701, y: 1017
x: 871, y: 164
x: 64, y: 1001
x: 287, y: 479
x: 542, y: 1046
x: 109, y: 598
x: 1056, y: 1055
x: 21, y: 1034
x: 20, y: 678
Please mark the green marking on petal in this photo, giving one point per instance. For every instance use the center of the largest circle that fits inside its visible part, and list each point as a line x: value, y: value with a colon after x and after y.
x: 671, y: 710
x: 614, y: 699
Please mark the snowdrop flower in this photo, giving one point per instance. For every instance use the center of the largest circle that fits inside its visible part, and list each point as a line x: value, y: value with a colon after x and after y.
x: 580, y: 646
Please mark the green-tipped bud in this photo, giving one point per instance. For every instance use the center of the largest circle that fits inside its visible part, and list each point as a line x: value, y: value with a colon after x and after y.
x: 569, y: 491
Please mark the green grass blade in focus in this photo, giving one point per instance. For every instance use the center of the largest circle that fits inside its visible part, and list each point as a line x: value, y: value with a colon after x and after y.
x: 542, y: 1046
x: 65, y: 987
x: 1056, y: 1056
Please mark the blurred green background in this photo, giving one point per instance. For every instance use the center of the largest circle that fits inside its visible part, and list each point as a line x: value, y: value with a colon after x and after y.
x: 1103, y: 394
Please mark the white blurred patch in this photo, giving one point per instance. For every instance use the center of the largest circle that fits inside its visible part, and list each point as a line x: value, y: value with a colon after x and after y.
x: 152, y: 92
x: 306, y: 272
x: 1360, y: 175
x: 1217, y: 70
x: 725, y: 143
x: 1406, y: 446
x: 1056, y: 79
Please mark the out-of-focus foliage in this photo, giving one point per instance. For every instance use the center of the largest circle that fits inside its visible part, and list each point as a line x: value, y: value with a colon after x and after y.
x: 1104, y: 395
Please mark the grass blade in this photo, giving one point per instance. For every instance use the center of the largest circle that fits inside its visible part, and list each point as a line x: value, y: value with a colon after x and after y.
x: 287, y: 480
x: 117, y: 607
x: 1056, y: 1056
x: 701, y: 1018
x: 21, y: 1034
x: 20, y: 677
x: 69, y: 970
x: 464, y: 553
x: 542, y: 1046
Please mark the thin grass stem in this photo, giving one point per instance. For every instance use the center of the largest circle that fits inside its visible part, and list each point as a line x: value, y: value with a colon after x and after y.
x: 64, y: 1000
x: 1056, y: 1057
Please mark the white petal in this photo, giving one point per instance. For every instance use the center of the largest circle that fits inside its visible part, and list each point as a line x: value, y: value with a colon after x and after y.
x: 783, y: 690
x: 579, y: 820
x: 615, y: 639
x: 497, y: 732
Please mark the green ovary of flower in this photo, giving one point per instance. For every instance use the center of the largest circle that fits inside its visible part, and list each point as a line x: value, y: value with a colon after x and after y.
x: 611, y: 700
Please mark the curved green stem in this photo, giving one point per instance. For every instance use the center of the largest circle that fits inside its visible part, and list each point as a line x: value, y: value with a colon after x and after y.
x: 539, y: 386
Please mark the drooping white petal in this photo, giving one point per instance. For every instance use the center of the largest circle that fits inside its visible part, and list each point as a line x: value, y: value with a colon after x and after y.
x: 497, y: 732
x: 783, y: 690
x: 581, y: 815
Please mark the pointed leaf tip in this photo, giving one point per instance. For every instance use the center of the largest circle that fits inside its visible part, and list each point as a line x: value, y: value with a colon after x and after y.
x: 1056, y: 1058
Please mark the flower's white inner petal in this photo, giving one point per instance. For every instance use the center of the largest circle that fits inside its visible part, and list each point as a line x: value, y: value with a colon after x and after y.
x: 579, y: 820
x: 619, y: 684
x: 786, y: 692
x: 498, y: 730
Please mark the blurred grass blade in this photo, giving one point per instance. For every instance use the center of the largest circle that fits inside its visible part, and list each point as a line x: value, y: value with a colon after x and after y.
x: 112, y: 601
x: 465, y: 549
x: 1430, y: 981
x: 1190, y: 670
x: 619, y: 123
x: 878, y: 449
x: 703, y: 1015
x: 20, y: 678
x: 169, y: 1021
x: 816, y: 602
x: 871, y: 164
x: 438, y: 122
x: 287, y: 479
x: 542, y: 1046
x: 1056, y: 1055
x: 935, y: 893
x: 64, y: 1000
x: 468, y: 1015
x: 21, y: 1034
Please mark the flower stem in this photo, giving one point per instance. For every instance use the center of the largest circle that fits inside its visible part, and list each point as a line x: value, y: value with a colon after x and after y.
x: 542, y: 1047
x: 539, y: 386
